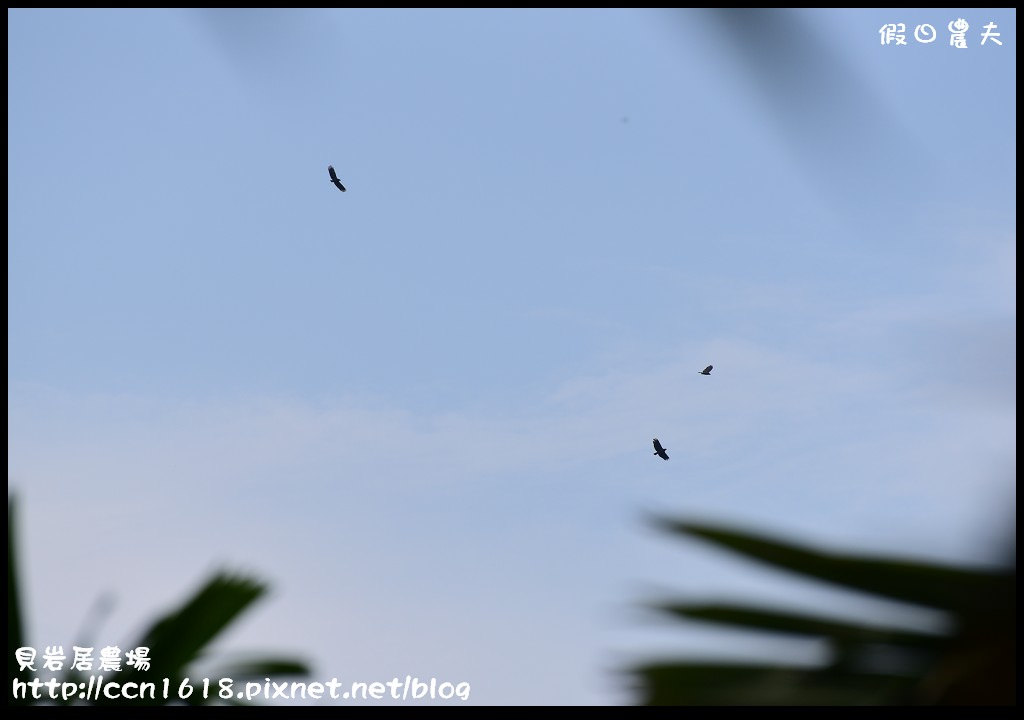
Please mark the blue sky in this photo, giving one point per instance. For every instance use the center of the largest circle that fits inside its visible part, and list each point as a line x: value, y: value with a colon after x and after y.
x: 423, y: 409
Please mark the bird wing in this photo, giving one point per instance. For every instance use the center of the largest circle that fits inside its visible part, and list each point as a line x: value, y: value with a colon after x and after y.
x: 338, y: 183
x: 334, y: 175
x: 659, y: 450
x: 707, y: 370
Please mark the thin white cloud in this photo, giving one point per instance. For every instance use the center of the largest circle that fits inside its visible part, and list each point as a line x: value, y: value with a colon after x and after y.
x: 398, y: 539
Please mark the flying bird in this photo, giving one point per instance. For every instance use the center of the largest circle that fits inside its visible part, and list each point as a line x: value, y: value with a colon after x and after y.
x: 705, y: 371
x: 659, y: 450
x: 334, y: 178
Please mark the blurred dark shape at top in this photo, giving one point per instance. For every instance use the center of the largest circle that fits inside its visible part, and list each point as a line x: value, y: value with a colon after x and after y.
x: 800, y: 76
x: 267, y: 49
x: 974, y: 663
x: 832, y: 120
x: 258, y: 34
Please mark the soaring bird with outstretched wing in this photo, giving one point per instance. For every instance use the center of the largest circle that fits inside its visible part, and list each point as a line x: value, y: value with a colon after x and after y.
x: 659, y: 450
x: 334, y: 178
x: 705, y: 371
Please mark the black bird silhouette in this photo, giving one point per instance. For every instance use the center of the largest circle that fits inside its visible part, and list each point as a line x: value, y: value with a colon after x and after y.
x: 334, y: 178
x: 705, y: 371
x: 659, y: 450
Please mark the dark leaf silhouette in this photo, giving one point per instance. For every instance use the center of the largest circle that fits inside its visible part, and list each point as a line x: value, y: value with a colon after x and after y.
x: 973, y: 663
x: 800, y: 624
x: 179, y: 638
x: 938, y: 586
x: 175, y: 641
x: 15, y: 623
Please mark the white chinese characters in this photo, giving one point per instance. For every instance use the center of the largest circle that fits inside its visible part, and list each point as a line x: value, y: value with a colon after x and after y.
x: 958, y: 33
x: 83, y: 659
x: 53, y: 658
x: 894, y: 32
x: 925, y: 33
x: 139, y: 657
x: 989, y: 34
x: 25, y: 657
